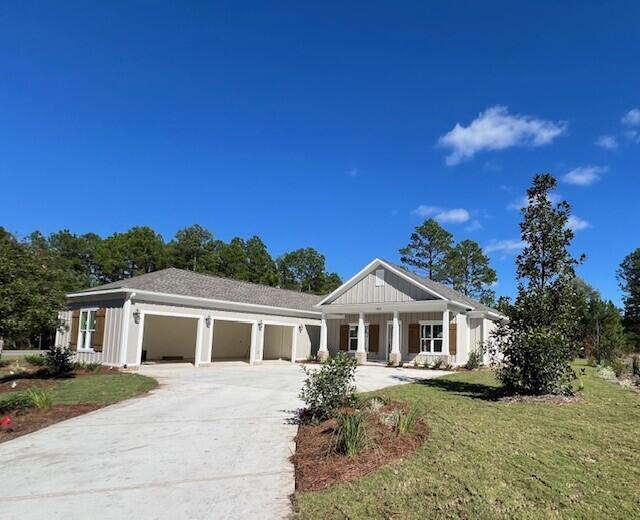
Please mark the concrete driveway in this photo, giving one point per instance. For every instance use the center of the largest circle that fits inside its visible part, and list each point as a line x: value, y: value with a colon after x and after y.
x: 208, y: 443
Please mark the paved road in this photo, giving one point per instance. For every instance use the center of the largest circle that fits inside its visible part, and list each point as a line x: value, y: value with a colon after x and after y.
x: 210, y: 442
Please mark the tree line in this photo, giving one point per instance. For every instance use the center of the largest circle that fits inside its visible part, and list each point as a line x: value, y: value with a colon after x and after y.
x: 38, y: 271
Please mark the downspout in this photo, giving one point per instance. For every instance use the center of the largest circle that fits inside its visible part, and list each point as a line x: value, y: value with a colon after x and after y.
x: 124, y: 340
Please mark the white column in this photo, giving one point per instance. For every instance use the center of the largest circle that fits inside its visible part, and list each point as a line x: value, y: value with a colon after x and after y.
x: 323, y: 351
x: 208, y: 343
x: 253, y: 344
x: 199, y: 339
x: 294, y: 343
x: 445, y: 331
x: 395, y: 336
x: 124, y: 337
x: 361, y: 335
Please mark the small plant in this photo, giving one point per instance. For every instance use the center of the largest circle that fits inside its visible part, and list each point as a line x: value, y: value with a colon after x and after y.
x: 437, y: 364
x: 375, y: 404
x: 635, y: 364
x: 619, y: 367
x: 4, y: 363
x: 89, y: 367
x: 16, y: 402
x: 40, y: 398
x: 406, y: 420
x: 350, y: 436
x: 473, y: 362
x: 59, y: 361
x: 448, y: 366
x: 37, y: 360
x: 330, y: 387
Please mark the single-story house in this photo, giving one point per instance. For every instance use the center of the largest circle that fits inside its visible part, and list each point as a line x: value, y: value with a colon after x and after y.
x: 383, y: 313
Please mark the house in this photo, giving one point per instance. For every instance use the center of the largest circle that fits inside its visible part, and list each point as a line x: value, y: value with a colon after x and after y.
x: 383, y: 313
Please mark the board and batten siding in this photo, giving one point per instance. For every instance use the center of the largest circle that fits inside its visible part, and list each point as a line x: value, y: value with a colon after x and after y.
x: 394, y: 289
x: 110, y: 354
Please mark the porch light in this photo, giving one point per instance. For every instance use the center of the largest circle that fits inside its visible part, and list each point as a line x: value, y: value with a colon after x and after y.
x: 207, y: 321
x: 300, y: 327
x: 136, y: 316
x: 260, y: 325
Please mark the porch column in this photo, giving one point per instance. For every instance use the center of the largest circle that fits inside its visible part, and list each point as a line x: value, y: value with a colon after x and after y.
x: 254, y: 343
x: 445, y: 332
x: 208, y: 342
x: 323, y: 351
x: 395, y: 358
x: 361, y: 352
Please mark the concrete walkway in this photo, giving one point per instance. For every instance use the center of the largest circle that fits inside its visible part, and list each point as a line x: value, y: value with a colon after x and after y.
x: 208, y: 443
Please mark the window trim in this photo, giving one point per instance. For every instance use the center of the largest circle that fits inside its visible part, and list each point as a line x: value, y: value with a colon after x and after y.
x: 431, y: 351
x: 379, y: 277
x: 366, y: 337
x: 79, y: 339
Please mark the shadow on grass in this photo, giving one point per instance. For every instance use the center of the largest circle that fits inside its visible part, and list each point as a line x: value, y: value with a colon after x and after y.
x: 465, y: 389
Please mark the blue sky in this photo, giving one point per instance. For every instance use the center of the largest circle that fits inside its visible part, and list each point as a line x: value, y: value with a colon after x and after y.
x: 335, y: 125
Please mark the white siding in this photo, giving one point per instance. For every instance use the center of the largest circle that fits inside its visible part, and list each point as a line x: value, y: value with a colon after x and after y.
x: 394, y: 289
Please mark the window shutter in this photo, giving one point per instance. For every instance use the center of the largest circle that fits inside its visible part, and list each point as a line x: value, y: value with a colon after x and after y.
x: 344, y: 337
x: 374, y: 337
x: 414, y: 338
x: 75, y: 325
x: 453, y: 340
x: 98, y: 335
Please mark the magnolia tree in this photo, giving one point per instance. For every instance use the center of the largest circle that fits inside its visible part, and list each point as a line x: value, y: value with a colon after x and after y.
x: 538, y: 343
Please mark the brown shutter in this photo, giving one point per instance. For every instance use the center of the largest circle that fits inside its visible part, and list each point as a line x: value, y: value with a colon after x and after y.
x: 344, y: 337
x: 374, y: 337
x: 98, y: 335
x: 75, y: 325
x: 453, y: 340
x: 414, y: 338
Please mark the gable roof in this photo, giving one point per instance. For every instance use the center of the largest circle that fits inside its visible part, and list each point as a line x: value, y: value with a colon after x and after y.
x: 438, y: 289
x: 179, y: 282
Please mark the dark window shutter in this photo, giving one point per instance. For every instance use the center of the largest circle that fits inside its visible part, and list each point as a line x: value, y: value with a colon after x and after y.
x: 453, y: 340
x: 374, y: 337
x: 414, y: 338
x: 344, y: 337
x: 98, y: 335
x: 75, y: 326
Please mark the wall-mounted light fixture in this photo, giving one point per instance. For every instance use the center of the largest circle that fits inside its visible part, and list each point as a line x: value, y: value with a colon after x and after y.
x: 300, y: 327
x: 260, y: 325
x: 207, y: 321
x: 136, y: 316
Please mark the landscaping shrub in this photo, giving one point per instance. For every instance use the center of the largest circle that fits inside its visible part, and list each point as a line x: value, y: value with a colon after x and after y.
x: 39, y: 398
x: 4, y: 363
x: 619, y: 367
x: 406, y: 420
x: 437, y: 364
x: 89, y: 367
x: 350, y: 436
x: 473, y: 363
x: 37, y: 360
x: 330, y: 387
x: 635, y: 363
x: 15, y: 402
x: 59, y: 361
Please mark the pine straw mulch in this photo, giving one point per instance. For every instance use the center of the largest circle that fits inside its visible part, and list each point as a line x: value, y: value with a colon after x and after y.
x: 32, y: 419
x: 318, y: 465
x: 543, y: 399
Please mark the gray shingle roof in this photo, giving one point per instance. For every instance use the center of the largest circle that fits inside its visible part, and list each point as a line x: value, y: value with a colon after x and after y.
x: 188, y: 283
x: 447, y: 292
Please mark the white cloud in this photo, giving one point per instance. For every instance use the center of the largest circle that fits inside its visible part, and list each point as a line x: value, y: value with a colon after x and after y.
x: 504, y: 246
x: 475, y: 225
x: 445, y: 216
x: 633, y: 135
x: 584, y: 175
x: 496, y: 129
x: 523, y: 202
x: 577, y: 224
x: 353, y: 172
x: 608, y: 142
x: 631, y: 118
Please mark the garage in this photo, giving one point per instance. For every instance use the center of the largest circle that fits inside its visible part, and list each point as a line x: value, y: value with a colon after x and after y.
x: 169, y: 339
x: 277, y: 342
x: 231, y: 341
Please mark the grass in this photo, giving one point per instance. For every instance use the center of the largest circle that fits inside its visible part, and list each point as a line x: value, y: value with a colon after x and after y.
x: 489, y: 459
x: 102, y: 389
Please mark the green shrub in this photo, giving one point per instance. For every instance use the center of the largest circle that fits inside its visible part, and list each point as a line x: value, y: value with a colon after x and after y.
x: 406, y: 420
x: 475, y: 357
x: 39, y: 398
x: 350, y: 436
x: 619, y: 367
x: 37, y: 360
x: 16, y: 402
x: 89, y: 367
x: 4, y: 363
x: 635, y: 363
x: 59, y: 361
x: 330, y: 387
x: 437, y: 364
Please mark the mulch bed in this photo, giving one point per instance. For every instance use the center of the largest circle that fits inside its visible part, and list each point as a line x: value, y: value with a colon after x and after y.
x: 33, y: 419
x: 318, y: 465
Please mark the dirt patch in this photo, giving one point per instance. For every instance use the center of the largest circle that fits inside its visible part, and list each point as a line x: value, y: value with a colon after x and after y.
x: 543, y: 399
x: 318, y: 465
x: 19, y: 384
x: 33, y: 419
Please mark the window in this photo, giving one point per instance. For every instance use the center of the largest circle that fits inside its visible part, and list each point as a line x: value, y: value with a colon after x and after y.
x: 353, y: 337
x: 431, y: 338
x: 379, y: 277
x: 87, y: 329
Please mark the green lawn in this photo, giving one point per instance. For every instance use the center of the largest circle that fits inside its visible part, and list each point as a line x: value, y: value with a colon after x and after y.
x: 98, y: 388
x: 487, y: 459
